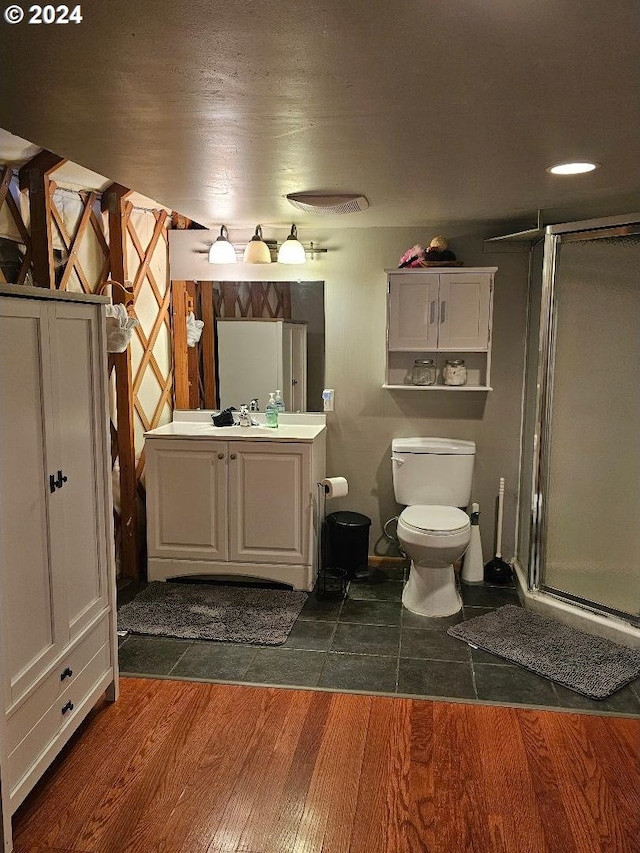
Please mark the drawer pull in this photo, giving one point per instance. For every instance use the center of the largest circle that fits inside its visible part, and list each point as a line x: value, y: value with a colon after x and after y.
x: 67, y: 707
x: 66, y: 673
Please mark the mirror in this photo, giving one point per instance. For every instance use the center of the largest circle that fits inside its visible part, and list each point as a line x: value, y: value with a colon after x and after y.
x: 258, y: 334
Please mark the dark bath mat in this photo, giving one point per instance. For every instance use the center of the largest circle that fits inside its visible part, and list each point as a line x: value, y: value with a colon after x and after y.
x: 593, y: 666
x: 228, y: 614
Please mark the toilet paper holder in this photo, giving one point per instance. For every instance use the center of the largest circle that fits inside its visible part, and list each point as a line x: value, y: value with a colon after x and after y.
x: 332, y: 581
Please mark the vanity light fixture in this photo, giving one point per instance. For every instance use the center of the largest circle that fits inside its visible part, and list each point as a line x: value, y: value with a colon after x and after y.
x: 257, y: 251
x: 292, y: 250
x: 222, y: 251
x: 572, y: 168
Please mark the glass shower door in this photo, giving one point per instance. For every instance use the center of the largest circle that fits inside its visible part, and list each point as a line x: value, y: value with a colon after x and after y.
x: 590, y: 473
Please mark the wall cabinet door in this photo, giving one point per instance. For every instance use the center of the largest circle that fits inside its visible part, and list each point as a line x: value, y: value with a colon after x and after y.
x: 78, y: 416
x: 413, y: 312
x: 187, y: 499
x: 463, y: 311
x: 30, y: 596
x: 269, y: 487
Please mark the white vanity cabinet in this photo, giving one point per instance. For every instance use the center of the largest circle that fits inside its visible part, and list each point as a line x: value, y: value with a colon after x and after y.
x: 58, y: 644
x: 439, y: 313
x: 233, y: 507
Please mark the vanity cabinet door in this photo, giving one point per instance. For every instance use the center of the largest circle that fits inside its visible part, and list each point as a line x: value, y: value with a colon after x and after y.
x: 269, y: 502
x: 187, y: 499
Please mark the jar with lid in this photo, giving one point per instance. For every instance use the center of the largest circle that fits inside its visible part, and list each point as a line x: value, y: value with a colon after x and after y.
x: 455, y: 372
x: 423, y: 372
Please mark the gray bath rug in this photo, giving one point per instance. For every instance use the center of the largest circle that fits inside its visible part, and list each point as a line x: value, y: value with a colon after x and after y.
x: 228, y: 614
x: 590, y: 665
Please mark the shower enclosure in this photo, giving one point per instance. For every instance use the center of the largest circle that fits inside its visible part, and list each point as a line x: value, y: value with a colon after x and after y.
x: 578, y: 543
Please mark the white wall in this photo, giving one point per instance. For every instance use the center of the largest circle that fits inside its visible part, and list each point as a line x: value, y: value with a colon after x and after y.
x: 367, y: 417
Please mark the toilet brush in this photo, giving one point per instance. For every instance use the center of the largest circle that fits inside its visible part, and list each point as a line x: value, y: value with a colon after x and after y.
x: 498, y: 570
x: 473, y: 564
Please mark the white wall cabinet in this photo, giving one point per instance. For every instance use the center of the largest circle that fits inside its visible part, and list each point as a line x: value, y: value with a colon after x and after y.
x: 237, y: 507
x: 256, y: 356
x: 439, y: 313
x: 58, y: 644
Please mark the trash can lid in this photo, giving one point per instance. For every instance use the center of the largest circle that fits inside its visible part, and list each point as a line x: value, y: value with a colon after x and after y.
x: 349, y: 519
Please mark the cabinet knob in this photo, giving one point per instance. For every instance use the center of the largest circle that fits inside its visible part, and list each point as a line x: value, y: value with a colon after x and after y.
x: 220, y: 455
x: 67, y: 707
x: 66, y: 673
x: 232, y: 456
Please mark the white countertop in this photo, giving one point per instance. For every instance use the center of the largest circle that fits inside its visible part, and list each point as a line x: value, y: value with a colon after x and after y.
x: 284, y: 432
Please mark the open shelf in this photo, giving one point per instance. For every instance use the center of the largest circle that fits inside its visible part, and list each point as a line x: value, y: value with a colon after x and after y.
x: 438, y: 387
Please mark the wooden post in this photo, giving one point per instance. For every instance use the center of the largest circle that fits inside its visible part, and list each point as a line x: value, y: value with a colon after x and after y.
x: 208, y: 345
x: 193, y: 353
x: 179, y: 338
x: 114, y: 201
x: 34, y: 178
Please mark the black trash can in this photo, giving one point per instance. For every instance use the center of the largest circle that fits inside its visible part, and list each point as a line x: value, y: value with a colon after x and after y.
x: 348, y: 543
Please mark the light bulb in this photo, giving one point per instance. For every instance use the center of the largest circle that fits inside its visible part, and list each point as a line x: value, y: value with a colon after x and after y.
x: 257, y: 251
x: 292, y: 250
x: 222, y: 252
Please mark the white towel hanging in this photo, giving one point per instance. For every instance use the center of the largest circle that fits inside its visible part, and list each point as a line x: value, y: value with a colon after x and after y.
x: 119, y: 324
x: 194, y: 329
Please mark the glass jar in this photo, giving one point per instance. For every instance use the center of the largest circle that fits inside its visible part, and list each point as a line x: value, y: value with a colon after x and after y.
x: 423, y: 372
x: 455, y: 372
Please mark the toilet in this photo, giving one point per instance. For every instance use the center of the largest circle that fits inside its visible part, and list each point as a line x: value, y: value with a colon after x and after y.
x: 432, y: 478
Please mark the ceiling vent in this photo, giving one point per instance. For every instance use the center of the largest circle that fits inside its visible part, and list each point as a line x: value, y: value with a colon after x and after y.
x: 325, y: 204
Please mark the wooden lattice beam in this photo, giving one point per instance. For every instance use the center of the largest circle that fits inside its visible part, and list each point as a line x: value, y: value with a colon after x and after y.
x: 34, y: 178
x: 114, y: 201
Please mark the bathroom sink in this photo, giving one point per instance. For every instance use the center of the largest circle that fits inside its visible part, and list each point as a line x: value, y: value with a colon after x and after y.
x: 244, y: 432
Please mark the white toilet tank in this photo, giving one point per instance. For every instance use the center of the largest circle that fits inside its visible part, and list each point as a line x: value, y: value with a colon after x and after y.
x: 432, y: 470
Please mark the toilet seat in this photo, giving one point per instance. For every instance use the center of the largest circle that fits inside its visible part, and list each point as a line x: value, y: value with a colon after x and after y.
x: 435, y: 520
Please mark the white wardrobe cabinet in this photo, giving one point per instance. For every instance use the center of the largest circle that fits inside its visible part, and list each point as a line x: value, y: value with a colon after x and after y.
x: 236, y: 507
x: 257, y: 356
x: 439, y: 313
x: 58, y: 644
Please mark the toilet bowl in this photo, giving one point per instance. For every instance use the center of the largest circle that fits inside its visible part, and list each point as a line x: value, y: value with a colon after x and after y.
x: 433, y: 537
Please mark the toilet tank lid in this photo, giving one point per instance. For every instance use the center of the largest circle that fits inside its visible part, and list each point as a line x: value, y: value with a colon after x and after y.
x: 449, y: 446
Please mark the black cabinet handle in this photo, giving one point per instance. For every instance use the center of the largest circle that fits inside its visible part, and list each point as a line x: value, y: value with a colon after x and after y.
x: 57, y: 482
x: 66, y: 673
x: 67, y: 707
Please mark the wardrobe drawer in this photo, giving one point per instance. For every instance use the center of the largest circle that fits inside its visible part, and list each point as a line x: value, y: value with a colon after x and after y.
x: 57, y: 716
x: 24, y: 718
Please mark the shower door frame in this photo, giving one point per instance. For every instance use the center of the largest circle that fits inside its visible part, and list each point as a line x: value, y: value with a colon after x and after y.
x: 618, y: 226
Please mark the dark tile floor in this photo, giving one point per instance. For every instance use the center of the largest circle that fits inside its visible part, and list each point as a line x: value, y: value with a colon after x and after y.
x: 369, y: 642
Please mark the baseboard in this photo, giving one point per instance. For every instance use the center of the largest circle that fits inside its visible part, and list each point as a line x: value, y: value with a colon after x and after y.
x: 391, y: 562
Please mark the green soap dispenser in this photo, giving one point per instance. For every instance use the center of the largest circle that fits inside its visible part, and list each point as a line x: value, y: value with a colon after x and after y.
x: 271, y: 412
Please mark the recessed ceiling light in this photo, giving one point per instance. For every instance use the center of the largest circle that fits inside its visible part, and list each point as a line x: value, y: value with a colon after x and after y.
x: 572, y: 168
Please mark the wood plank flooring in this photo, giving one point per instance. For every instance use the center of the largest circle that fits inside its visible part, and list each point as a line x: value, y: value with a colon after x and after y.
x: 189, y: 767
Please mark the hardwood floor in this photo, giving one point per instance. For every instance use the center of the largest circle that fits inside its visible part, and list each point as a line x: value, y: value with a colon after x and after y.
x: 189, y: 767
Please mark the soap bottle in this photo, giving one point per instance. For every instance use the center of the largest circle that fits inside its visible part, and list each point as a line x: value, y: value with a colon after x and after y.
x: 279, y: 401
x: 271, y: 412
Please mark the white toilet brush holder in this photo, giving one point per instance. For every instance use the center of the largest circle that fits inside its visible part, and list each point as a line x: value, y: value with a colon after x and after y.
x: 473, y: 563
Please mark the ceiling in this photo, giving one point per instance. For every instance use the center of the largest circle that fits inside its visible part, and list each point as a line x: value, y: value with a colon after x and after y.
x: 435, y: 110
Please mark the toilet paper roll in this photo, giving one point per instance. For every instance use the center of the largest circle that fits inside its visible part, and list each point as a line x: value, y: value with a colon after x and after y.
x: 335, y: 487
